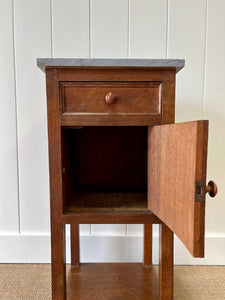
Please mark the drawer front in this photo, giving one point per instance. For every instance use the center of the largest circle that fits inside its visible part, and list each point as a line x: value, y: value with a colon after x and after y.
x: 130, y: 98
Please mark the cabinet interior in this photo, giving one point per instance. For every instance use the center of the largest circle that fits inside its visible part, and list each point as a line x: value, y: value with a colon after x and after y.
x: 104, y: 168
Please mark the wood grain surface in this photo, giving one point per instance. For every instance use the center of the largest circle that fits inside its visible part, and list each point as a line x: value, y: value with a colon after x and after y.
x: 75, y: 245
x: 147, y: 253
x: 165, y: 263
x: 177, y: 158
x: 105, y: 159
x: 56, y: 189
x: 133, y: 98
x: 116, y: 281
x: 107, y: 202
x: 159, y: 113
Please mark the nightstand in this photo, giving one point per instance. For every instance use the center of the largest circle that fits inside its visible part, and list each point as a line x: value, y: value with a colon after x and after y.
x: 116, y: 157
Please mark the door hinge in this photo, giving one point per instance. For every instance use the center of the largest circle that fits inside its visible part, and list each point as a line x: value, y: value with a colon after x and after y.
x: 199, y: 191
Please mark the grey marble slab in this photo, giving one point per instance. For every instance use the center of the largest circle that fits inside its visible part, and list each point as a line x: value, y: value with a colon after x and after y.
x: 176, y: 64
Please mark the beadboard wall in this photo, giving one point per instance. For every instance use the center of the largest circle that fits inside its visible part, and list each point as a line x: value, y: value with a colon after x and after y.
x: 189, y: 29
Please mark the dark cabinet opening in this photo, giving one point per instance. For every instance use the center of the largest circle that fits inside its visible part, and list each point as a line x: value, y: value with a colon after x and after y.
x: 104, y: 168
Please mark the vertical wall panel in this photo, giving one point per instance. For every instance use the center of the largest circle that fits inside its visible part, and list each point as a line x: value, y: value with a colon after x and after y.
x: 70, y: 28
x: 109, y: 39
x: 148, y: 28
x: 186, y: 40
x: 215, y: 112
x: 8, y: 149
x: 32, y: 40
x: 135, y: 229
x: 108, y: 229
x: 109, y: 28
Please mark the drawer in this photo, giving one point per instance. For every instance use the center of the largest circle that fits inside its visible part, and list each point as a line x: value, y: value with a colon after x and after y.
x: 110, y: 98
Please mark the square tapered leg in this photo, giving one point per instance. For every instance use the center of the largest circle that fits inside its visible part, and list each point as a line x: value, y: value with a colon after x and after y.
x: 58, y: 261
x: 75, y: 245
x: 165, y: 263
x: 147, y: 255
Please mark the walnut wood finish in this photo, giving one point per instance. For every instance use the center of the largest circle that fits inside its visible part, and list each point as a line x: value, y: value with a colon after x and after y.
x: 107, y: 202
x: 129, y: 98
x: 75, y: 245
x: 84, y: 136
x: 98, y: 120
x: 147, y: 255
x: 56, y: 191
x: 127, y: 112
x: 159, y: 83
x: 120, y: 281
x: 165, y: 263
x: 177, y: 159
x: 106, y: 159
x: 106, y: 217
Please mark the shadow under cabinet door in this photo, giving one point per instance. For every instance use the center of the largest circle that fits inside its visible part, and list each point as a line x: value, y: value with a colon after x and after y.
x: 177, y: 155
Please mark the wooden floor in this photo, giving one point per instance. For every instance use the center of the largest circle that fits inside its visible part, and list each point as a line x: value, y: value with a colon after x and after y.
x: 127, y: 281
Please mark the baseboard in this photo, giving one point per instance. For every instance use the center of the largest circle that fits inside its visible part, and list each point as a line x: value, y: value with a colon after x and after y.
x: 36, y: 249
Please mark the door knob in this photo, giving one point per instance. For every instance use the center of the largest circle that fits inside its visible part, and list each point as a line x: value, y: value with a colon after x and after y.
x: 110, y: 98
x: 211, y: 188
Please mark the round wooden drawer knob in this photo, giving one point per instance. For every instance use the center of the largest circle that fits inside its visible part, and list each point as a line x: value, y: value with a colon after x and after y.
x: 211, y: 188
x: 110, y: 98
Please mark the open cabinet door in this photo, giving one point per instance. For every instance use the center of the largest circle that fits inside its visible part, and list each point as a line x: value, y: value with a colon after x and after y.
x: 177, y: 155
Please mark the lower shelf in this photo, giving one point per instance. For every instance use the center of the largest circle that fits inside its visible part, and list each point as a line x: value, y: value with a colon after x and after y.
x: 112, y: 281
x: 84, y: 202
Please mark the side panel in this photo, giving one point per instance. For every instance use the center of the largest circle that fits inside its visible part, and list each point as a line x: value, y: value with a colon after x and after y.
x: 176, y: 160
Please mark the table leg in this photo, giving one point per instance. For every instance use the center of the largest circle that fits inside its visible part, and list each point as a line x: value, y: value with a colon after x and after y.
x: 147, y: 255
x: 75, y: 247
x: 58, y: 261
x: 165, y: 263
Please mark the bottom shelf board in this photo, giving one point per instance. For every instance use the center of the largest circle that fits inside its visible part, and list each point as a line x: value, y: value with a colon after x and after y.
x: 83, y: 202
x: 112, y: 281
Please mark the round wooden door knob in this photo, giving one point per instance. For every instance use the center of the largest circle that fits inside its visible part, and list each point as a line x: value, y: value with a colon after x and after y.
x: 211, y: 188
x: 110, y: 98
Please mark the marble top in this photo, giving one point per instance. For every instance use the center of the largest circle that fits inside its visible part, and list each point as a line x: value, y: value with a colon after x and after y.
x: 176, y: 64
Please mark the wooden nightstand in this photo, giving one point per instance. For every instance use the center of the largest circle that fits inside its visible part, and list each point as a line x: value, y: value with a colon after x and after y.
x: 116, y: 157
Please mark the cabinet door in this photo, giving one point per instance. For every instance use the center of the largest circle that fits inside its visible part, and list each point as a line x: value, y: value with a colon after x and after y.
x: 177, y: 155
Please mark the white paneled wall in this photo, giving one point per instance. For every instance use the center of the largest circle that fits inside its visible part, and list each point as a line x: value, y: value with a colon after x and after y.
x: 109, y: 28
x: 193, y: 30
x: 32, y: 38
x: 70, y: 28
x: 186, y: 38
x: 215, y: 112
x: 148, y: 28
x: 70, y: 37
x: 9, y: 210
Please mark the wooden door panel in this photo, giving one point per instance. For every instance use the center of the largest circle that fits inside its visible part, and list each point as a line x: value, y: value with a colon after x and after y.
x: 177, y: 156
